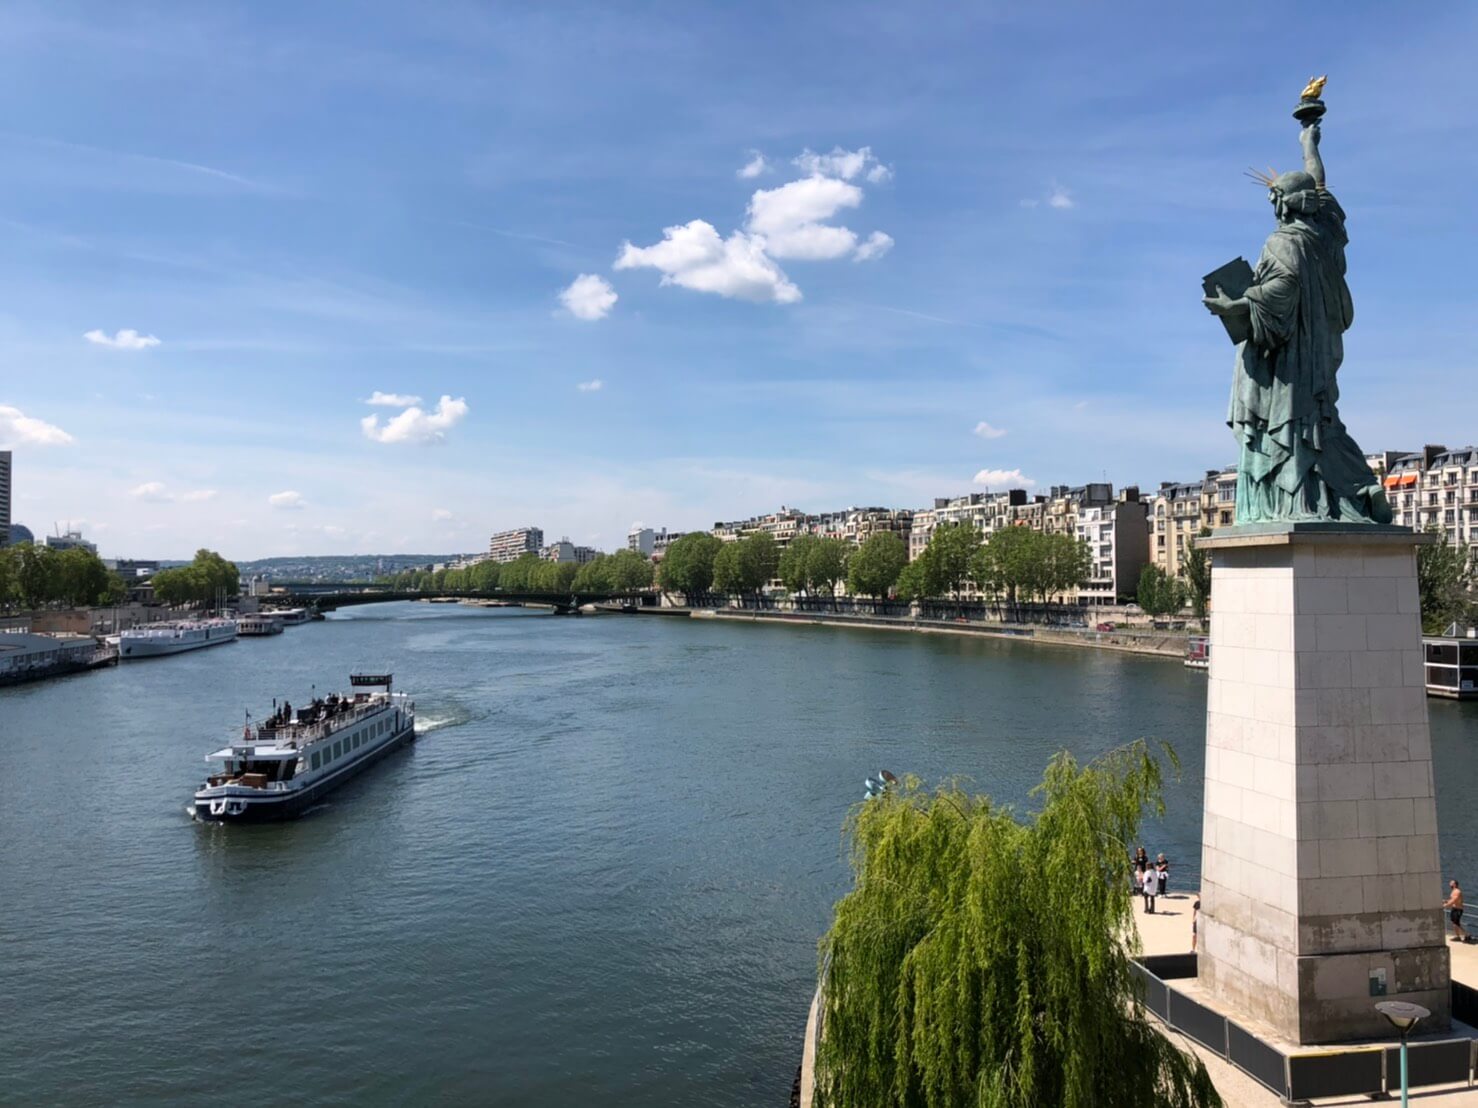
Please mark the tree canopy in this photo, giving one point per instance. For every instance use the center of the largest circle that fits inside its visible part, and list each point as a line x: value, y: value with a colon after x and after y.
x: 946, y: 983
x: 1444, y: 578
x: 1159, y: 594
x: 873, y: 568
x: 687, y: 567
x: 34, y: 576
x: 1196, y: 568
x: 203, y: 581
x: 812, y: 564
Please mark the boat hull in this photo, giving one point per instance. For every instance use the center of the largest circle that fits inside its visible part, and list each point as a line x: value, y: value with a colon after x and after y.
x: 270, y: 807
x: 162, y: 647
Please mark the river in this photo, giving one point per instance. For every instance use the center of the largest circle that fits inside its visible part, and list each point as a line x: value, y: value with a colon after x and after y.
x: 597, y: 878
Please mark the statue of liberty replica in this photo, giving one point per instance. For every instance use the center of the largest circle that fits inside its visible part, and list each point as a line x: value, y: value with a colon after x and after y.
x: 1288, y: 317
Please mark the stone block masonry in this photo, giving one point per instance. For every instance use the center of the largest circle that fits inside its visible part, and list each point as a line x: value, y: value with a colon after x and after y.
x: 1321, y: 892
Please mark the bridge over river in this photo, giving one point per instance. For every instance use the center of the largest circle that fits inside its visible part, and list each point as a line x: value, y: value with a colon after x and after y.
x: 328, y: 598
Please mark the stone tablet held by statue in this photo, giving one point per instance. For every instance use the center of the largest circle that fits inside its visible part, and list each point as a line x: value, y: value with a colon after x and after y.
x: 1234, y: 279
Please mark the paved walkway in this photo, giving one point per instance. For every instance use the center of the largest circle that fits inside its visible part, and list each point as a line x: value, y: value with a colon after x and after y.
x: 1168, y: 931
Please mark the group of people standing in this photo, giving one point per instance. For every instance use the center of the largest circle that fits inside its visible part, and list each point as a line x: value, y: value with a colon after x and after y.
x: 1151, y: 879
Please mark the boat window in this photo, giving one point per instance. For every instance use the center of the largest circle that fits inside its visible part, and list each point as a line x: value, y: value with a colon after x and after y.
x: 315, y: 759
x: 336, y: 750
x: 356, y: 740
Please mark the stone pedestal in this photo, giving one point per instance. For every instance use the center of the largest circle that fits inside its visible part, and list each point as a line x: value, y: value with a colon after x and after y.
x: 1320, y: 890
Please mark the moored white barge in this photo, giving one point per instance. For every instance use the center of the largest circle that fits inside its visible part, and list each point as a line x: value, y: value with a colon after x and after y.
x: 280, y: 767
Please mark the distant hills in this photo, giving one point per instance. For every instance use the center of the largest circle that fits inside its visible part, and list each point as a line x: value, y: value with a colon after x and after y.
x: 337, y: 567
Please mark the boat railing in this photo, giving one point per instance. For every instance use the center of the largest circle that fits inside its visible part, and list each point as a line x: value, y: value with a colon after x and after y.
x: 303, y: 733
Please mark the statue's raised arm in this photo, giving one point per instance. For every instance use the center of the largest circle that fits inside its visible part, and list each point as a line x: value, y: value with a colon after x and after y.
x: 1308, y: 138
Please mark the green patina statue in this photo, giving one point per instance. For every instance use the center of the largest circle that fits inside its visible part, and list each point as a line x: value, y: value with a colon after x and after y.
x: 1297, y: 461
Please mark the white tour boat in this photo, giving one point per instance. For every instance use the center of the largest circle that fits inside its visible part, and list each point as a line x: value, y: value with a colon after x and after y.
x: 278, y: 768
x: 291, y: 617
x: 258, y: 625
x: 156, y: 639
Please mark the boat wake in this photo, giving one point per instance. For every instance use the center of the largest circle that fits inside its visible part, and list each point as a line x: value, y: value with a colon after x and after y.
x: 441, y: 717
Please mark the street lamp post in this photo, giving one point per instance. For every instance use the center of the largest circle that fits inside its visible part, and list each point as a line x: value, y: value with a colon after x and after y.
x: 1403, y: 1017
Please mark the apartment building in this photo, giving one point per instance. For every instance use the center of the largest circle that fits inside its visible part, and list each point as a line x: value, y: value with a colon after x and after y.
x: 782, y: 526
x: 1117, y: 536
x: 1176, y: 515
x: 4, y: 497
x: 507, y: 546
x: 566, y: 551
x: 987, y: 512
x: 1437, y: 488
x: 1219, y: 498
x: 651, y: 542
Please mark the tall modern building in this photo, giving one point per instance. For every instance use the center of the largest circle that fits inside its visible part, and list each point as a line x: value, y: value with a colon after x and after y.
x: 506, y: 546
x: 4, y: 497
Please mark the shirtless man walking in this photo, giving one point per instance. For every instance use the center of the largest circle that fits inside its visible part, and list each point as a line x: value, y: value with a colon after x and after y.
x: 1454, y: 906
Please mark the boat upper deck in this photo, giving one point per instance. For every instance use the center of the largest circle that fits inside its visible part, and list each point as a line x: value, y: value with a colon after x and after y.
x: 288, y: 731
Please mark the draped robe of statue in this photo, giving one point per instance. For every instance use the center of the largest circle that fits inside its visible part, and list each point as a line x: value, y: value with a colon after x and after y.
x: 1297, y: 460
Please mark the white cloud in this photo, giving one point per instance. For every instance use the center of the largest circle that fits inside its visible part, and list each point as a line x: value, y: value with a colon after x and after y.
x: 287, y: 501
x: 1004, y: 478
x: 197, y: 496
x: 126, y: 339
x: 416, y: 425
x: 878, y: 243
x: 392, y: 399
x: 845, y: 164
x: 986, y: 431
x: 754, y: 167
x: 791, y: 216
x: 19, y: 429
x: 152, y: 491
x: 593, y: 385
x: 693, y: 256
x: 1057, y: 197
x: 792, y: 220
x: 440, y: 514
x: 589, y: 297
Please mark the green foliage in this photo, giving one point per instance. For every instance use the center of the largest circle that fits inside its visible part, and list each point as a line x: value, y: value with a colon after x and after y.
x: 1159, y: 594
x: 1014, y: 553
x: 687, y: 567
x: 982, y: 957
x: 873, y: 568
x: 826, y: 566
x: 518, y: 575
x: 811, y: 564
x: 793, y: 570
x: 1196, y: 569
x: 728, y: 569
x: 951, y: 546
x: 1444, y: 580
x: 759, y: 558
x: 920, y: 579
x: 37, y: 576
x: 207, y: 577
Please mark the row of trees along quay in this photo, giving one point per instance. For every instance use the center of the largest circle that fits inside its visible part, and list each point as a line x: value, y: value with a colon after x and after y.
x: 1017, y: 565
x: 34, y: 576
x: 623, y: 571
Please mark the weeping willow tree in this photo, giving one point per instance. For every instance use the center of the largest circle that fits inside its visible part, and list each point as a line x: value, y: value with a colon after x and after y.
x: 983, y: 957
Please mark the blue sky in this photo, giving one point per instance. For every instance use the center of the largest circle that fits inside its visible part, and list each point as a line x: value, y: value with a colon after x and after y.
x: 307, y: 205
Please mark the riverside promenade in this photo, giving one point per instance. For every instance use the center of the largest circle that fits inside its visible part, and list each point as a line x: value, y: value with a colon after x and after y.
x: 1168, y: 931
x: 1164, y: 644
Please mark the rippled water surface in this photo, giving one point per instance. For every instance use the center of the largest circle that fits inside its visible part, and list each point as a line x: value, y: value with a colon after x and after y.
x: 597, y: 878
